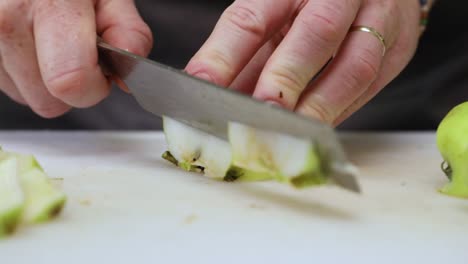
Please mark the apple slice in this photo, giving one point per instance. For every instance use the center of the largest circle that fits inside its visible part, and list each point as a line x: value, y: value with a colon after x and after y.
x: 288, y: 159
x: 43, y: 200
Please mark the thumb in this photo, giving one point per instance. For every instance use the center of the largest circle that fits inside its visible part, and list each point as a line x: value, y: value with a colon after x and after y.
x: 119, y: 24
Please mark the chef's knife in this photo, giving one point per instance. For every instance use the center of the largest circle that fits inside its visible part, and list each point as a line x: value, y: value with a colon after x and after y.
x: 165, y: 91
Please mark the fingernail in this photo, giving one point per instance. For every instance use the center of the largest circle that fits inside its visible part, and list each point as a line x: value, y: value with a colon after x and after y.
x: 121, y: 84
x: 273, y: 103
x: 203, y: 76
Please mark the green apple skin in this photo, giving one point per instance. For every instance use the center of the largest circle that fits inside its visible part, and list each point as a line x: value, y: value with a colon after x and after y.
x: 9, y: 221
x: 452, y: 142
x: 287, y: 159
x: 27, y: 196
x: 43, y: 200
x: 11, y: 196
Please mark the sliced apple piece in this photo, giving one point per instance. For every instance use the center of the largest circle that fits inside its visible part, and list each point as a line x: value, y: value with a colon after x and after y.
x: 43, y: 200
x: 248, y: 155
x: 288, y: 159
x: 11, y: 196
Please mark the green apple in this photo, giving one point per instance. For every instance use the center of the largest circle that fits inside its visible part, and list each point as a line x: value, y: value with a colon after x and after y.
x: 452, y: 142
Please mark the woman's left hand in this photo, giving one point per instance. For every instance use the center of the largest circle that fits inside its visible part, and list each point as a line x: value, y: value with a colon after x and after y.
x: 273, y: 49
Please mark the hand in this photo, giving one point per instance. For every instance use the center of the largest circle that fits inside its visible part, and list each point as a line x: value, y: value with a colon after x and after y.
x: 273, y: 49
x: 48, y: 53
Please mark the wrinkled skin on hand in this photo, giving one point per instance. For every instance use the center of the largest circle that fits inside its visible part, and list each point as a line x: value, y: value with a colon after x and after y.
x: 266, y: 48
x: 272, y: 50
x: 48, y: 53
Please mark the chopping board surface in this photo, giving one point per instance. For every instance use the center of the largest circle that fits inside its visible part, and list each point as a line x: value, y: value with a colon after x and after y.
x: 127, y: 204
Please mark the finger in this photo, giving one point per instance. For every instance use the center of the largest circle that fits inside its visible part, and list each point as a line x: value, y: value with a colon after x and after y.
x: 355, y: 67
x: 241, y: 31
x: 20, y: 64
x: 397, y: 58
x: 247, y: 79
x: 119, y: 24
x: 65, y: 35
x: 313, y: 38
x: 8, y: 87
x: 388, y: 72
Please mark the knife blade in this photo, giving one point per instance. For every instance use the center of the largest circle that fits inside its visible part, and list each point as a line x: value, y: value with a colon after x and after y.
x: 166, y: 91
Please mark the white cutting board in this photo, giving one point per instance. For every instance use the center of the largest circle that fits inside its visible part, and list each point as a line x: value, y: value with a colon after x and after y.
x: 127, y: 205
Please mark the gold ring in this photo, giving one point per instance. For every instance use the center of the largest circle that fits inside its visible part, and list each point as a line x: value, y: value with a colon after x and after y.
x: 373, y: 32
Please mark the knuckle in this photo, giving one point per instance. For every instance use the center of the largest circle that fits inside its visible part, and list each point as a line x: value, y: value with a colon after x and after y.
x: 66, y: 84
x: 247, y: 18
x: 321, y: 27
x: 365, y: 67
x: 220, y: 67
x: 11, y: 11
x: 291, y: 81
x: 7, y: 23
x: 315, y: 108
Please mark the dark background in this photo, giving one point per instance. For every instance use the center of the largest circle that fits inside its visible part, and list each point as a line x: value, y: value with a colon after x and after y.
x: 435, y: 80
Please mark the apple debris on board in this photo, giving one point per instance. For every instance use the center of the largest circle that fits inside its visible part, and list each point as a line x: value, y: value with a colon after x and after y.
x: 452, y: 142
x: 248, y: 154
x: 27, y: 195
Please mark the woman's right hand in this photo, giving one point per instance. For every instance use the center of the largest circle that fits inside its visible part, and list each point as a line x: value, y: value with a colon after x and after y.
x: 48, y: 52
